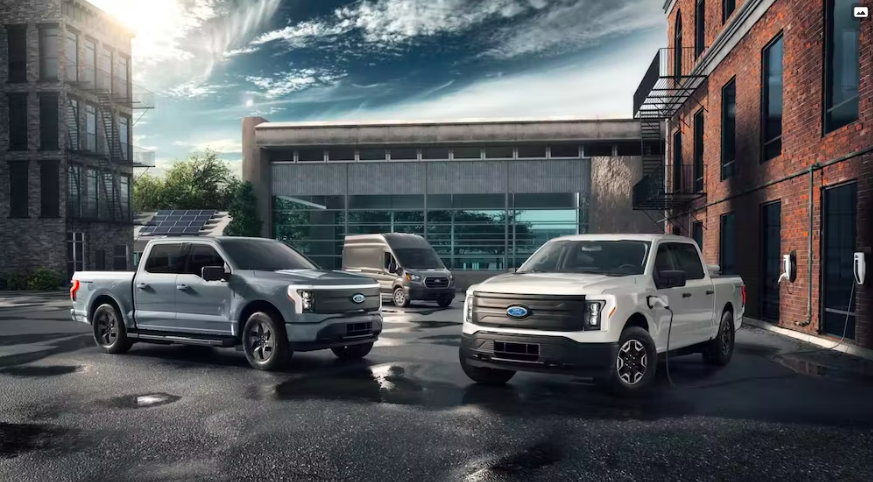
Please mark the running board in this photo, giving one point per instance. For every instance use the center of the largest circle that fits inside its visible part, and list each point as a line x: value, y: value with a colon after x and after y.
x: 182, y: 339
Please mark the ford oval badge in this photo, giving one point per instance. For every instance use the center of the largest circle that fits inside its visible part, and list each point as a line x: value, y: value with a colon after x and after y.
x: 516, y: 311
x: 358, y: 298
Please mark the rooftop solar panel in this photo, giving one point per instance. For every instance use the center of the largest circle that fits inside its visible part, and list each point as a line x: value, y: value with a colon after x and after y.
x: 177, y: 222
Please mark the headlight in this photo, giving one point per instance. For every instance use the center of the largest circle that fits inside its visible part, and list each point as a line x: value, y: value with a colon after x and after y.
x: 308, y: 299
x: 412, y: 277
x: 592, y: 314
x: 468, y: 310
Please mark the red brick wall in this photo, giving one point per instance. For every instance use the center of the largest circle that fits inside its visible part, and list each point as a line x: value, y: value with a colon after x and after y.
x: 802, y: 24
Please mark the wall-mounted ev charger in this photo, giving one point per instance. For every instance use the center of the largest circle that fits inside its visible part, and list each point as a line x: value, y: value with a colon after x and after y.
x: 859, y: 268
x: 789, y: 268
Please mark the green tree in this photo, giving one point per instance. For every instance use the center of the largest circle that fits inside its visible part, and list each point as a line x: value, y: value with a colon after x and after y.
x: 244, y: 220
x: 203, y: 181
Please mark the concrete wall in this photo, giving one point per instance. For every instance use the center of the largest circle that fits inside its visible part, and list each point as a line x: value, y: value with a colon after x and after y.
x: 612, y: 181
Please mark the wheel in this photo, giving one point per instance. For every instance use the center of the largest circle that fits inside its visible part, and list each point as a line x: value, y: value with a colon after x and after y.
x: 485, y: 376
x: 444, y: 302
x: 400, y: 298
x: 264, y: 342
x: 352, y: 352
x: 633, y: 370
x: 109, y: 330
x: 720, y: 350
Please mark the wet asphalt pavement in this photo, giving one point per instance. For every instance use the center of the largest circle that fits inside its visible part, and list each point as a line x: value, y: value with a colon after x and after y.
x: 407, y: 412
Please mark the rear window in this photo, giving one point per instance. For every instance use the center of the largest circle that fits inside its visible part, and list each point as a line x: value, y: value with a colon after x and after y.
x: 164, y: 258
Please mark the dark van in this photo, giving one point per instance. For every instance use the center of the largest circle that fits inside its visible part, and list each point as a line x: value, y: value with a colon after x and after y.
x: 405, y: 265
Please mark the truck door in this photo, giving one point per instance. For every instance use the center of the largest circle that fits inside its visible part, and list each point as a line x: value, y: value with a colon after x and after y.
x: 698, y: 293
x: 201, y: 306
x: 680, y: 334
x: 154, y: 287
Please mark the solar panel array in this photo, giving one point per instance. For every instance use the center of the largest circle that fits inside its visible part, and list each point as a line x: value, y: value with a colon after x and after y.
x: 177, y: 223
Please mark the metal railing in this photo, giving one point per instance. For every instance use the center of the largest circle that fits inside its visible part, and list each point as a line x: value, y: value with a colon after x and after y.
x: 119, y: 89
x: 684, y: 179
x: 143, y: 157
x: 669, y: 80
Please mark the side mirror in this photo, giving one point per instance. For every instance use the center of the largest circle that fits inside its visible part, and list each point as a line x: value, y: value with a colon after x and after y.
x: 213, y: 273
x: 392, y: 268
x: 670, y: 279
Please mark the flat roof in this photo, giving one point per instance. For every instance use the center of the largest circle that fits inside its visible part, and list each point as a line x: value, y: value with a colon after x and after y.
x: 460, y: 121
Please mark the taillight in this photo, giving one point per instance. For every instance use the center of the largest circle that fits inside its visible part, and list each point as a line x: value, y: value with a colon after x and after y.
x: 74, y: 289
x: 744, y: 295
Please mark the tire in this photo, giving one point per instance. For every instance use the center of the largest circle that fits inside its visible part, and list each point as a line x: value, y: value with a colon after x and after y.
x: 110, y: 334
x: 352, y: 352
x: 444, y: 302
x: 264, y: 342
x: 635, y: 364
x: 485, y: 376
x: 720, y: 350
x: 400, y: 298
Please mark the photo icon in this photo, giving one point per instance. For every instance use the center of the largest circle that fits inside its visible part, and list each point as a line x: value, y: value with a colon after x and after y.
x: 861, y: 12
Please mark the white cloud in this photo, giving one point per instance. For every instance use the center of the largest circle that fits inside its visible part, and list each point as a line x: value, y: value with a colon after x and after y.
x: 223, y: 146
x: 285, y: 83
x: 195, y: 89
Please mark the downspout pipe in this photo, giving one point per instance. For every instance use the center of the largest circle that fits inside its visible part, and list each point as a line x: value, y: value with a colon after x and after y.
x: 812, y: 169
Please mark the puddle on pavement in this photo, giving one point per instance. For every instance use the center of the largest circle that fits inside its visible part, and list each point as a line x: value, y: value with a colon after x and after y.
x: 522, y: 463
x: 19, y: 438
x: 411, y: 384
x: 39, y: 371
x: 447, y: 340
x: 811, y: 368
x: 143, y: 401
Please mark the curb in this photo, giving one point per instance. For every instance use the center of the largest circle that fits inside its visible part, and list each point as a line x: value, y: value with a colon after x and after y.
x: 821, y: 341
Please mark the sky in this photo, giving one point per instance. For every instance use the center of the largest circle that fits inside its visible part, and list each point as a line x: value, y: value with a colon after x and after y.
x: 212, y: 62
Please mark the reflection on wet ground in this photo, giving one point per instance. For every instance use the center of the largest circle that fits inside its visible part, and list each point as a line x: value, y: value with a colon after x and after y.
x: 812, y: 368
x: 143, y: 401
x: 416, y: 385
x: 28, y: 371
x: 19, y: 438
x: 519, y: 464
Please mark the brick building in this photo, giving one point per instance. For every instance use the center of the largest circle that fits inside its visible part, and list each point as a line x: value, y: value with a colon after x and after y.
x: 768, y: 106
x: 66, y: 161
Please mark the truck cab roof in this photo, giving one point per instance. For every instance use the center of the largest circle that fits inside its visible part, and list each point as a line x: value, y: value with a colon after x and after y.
x: 623, y: 237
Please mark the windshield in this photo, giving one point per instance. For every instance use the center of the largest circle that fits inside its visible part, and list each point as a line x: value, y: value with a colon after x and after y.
x: 418, y: 258
x: 264, y: 255
x: 613, y: 258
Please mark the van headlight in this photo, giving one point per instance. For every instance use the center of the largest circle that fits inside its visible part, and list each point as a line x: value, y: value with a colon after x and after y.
x: 593, y: 314
x: 412, y: 277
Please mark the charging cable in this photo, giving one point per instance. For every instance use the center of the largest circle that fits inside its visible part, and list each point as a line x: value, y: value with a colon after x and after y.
x: 842, y: 338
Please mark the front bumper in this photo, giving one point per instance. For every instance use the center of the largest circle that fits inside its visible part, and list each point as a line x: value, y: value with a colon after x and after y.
x: 334, y: 332
x: 416, y: 293
x: 536, y: 353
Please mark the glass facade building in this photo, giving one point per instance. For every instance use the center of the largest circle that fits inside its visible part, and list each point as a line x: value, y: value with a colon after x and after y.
x: 474, y: 232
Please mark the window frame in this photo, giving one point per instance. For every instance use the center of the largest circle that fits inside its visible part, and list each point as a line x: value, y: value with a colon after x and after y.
x: 17, y: 64
x: 19, y: 189
x: 43, y: 45
x: 699, y: 148
x: 725, y: 14
x: 828, y: 70
x: 765, y: 93
x: 732, y: 83
x: 71, y: 66
x: 678, y: 33
x: 49, y: 195
x: 678, y: 162
x: 49, y: 132
x: 699, y: 28
x: 694, y: 231
x: 722, y: 244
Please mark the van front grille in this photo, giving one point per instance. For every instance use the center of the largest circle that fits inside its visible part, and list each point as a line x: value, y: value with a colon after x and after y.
x: 436, y: 282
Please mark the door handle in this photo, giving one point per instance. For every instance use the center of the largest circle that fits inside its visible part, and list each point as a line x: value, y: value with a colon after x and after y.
x: 709, y: 292
x: 181, y: 287
x: 142, y: 286
x: 686, y: 295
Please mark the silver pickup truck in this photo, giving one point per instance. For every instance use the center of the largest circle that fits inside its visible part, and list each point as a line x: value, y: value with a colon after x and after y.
x: 257, y: 294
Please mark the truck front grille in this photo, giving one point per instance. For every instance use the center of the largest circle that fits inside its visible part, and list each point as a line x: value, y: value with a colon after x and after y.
x: 436, y: 282
x: 341, y: 301
x: 544, y: 312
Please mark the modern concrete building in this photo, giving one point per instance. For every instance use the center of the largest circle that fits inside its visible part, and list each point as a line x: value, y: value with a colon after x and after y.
x: 66, y: 117
x: 486, y: 194
x: 769, y: 105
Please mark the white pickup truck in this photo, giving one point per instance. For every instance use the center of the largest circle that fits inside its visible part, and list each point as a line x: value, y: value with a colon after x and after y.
x: 601, y: 306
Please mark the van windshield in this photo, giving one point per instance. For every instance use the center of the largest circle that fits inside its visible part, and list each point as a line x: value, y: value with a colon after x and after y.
x: 418, y: 258
x: 612, y: 258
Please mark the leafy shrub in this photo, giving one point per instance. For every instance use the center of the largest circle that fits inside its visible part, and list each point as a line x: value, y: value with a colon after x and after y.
x: 17, y: 281
x: 43, y: 279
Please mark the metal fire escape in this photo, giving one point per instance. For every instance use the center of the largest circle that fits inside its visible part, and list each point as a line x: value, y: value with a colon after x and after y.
x: 670, y: 81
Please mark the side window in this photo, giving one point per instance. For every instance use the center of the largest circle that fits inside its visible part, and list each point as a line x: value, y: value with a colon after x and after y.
x: 388, y: 260
x: 663, y: 260
x: 687, y: 260
x: 201, y: 256
x: 165, y: 259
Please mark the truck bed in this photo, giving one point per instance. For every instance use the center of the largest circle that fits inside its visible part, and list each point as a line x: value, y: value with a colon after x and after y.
x: 118, y: 284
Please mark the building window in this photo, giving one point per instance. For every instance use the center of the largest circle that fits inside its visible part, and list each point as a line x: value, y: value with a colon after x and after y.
x: 677, y: 46
x: 91, y: 195
x: 699, y: 28
x: 16, y: 37
x: 71, y: 52
x: 532, y: 152
x: 771, y: 251
x: 48, y: 53
x: 698, y: 151
x: 119, y: 257
x: 842, y: 65
x: 697, y: 234
x: 107, y: 194
x: 18, y: 189
x: 73, y: 125
x: 90, y: 128
x: 372, y: 154
x: 124, y: 137
x: 677, y: 162
x: 728, y: 129
x: 566, y: 151
x: 124, y: 197
x: 340, y: 154
x: 435, y: 153
x: 465, y: 153
x: 17, y: 122
x: 104, y: 72
x: 727, y: 9
x: 772, y: 99
x: 49, y: 188
x: 122, y: 78
x: 502, y: 152
x: 75, y: 253
x: 727, y: 245
x: 310, y: 155
x: 90, y: 62
x: 74, y: 206
x: 598, y: 150
x: 49, y: 124
x: 404, y: 154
